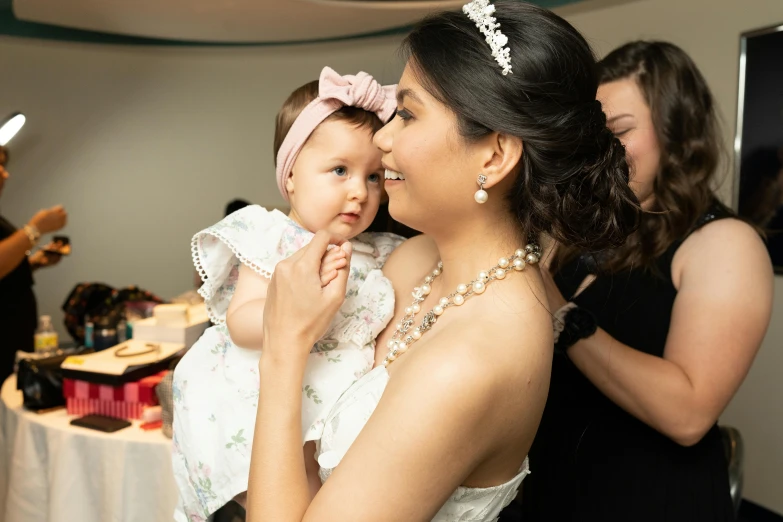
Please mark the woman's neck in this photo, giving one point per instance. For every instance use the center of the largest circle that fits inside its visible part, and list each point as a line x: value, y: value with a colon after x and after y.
x: 469, y: 249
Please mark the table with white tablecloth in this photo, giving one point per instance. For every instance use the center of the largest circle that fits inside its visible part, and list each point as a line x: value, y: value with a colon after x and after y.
x: 51, y: 471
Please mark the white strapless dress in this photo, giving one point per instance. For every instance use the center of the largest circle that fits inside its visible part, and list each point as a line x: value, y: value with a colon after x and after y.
x: 349, y: 415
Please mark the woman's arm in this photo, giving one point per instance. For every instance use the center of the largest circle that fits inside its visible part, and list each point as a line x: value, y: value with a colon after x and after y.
x: 43, y: 259
x: 14, y: 248
x: 13, y: 251
x: 244, y: 317
x: 430, y: 430
x: 720, y: 316
x: 298, y: 311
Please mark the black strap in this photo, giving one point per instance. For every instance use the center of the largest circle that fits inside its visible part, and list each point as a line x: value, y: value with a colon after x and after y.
x: 716, y: 211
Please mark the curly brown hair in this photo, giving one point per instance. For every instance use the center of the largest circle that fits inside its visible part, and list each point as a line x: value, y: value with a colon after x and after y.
x: 688, y: 133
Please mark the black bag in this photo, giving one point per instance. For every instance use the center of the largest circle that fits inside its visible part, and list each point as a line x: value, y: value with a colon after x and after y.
x: 84, y: 299
x: 104, y: 304
x: 41, y: 381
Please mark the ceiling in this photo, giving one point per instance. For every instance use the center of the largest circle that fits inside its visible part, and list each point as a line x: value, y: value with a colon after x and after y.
x: 205, y: 22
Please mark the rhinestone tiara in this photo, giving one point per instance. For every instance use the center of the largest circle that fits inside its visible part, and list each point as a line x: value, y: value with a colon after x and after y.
x: 480, y: 12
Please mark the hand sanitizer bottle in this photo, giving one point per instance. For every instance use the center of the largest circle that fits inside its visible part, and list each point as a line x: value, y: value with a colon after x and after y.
x: 45, y: 336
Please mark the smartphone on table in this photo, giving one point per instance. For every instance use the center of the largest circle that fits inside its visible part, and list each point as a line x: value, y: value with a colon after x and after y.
x: 101, y: 423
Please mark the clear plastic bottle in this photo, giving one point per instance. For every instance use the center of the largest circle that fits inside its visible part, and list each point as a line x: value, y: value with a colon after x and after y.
x: 122, y: 331
x: 89, y: 332
x: 45, y: 337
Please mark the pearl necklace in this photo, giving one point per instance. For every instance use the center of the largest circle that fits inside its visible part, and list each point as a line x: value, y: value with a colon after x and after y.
x: 401, y: 341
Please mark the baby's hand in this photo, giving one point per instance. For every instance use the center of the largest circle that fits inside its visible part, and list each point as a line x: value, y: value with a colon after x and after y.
x: 333, y: 260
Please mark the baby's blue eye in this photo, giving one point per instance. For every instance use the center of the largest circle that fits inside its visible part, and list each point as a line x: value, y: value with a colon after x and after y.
x: 374, y: 178
x: 340, y: 171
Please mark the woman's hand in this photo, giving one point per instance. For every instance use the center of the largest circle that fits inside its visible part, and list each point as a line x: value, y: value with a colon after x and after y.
x: 299, y: 307
x: 50, y: 219
x: 43, y: 259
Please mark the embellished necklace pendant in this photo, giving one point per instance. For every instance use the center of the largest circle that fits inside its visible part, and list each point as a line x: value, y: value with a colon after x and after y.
x: 429, y: 320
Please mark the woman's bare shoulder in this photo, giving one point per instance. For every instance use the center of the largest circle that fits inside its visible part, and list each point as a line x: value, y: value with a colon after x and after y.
x: 499, y: 353
x: 505, y: 334
x: 704, y: 251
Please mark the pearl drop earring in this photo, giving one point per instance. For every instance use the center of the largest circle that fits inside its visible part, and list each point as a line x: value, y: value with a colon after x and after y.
x: 481, y: 195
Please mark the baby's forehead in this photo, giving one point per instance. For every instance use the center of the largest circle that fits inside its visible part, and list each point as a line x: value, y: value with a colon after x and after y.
x: 333, y: 130
x: 346, y: 141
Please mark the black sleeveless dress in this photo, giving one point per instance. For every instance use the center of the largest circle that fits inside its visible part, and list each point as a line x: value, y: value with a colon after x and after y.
x: 18, y: 311
x: 591, y: 460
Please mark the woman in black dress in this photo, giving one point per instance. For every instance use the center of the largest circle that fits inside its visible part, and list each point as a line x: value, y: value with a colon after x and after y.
x: 18, y: 313
x: 659, y: 334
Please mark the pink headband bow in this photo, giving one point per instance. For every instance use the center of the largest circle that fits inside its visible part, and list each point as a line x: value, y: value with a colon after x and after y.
x: 334, y: 93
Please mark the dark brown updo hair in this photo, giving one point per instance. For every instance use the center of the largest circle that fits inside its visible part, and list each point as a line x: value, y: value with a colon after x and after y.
x: 572, y: 180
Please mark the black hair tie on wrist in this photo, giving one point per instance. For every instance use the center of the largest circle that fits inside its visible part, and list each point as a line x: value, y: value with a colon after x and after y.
x: 578, y: 323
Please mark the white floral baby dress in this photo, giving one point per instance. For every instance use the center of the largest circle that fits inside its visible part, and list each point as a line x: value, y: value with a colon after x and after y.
x: 216, y: 383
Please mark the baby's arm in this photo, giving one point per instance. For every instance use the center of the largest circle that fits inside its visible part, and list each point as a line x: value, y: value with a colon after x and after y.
x: 311, y: 467
x: 246, y: 310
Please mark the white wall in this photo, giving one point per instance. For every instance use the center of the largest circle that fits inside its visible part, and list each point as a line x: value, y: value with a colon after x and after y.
x: 709, y: 30
x: 146, y: 145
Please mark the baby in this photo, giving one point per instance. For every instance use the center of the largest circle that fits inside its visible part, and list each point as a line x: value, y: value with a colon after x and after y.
x: 330, y: 173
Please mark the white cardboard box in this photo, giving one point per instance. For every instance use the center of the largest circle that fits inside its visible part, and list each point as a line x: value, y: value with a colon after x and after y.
x: 107, y: 362
x: 149, y: 330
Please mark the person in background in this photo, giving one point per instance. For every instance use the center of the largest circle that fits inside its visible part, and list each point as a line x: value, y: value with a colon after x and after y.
x: 234, y: 205
x: 18, y: 310
x: 657, y: 335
